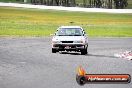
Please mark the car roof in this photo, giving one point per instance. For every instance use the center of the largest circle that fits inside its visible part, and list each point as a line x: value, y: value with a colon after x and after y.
x: 70, y: 27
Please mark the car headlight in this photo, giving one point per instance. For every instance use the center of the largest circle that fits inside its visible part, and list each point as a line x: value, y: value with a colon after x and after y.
x: 78, y: 42
x: 56, y: 41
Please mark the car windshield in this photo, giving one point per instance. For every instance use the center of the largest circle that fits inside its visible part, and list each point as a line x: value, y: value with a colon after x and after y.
x: 69, y: 32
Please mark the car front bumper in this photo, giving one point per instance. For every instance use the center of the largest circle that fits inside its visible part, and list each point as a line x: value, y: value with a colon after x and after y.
x: 68, y: 47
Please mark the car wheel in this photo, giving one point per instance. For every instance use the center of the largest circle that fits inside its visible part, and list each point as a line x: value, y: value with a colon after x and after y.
x: 54, y: 51
x: 84, y: 51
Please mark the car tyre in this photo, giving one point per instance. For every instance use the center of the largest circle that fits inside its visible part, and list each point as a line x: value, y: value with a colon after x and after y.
x: 54, y: 51
x: 84, y: 52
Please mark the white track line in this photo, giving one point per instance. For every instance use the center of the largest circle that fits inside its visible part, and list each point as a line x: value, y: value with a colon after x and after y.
x: 67, y: 8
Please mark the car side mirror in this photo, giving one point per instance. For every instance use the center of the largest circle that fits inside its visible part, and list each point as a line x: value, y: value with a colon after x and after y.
x: 84, y: 33
x: 53, y: 34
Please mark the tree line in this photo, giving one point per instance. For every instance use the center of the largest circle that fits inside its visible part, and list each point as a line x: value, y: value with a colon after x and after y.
x: 118, y: 4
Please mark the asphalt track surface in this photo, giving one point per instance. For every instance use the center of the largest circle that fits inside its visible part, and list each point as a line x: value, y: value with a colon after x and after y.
x: 29, y: 63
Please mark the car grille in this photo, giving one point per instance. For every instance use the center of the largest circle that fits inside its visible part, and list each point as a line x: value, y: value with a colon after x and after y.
x: 67, y: 41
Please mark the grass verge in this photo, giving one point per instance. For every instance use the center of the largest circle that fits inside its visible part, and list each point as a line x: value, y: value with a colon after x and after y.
x: 36, y: 22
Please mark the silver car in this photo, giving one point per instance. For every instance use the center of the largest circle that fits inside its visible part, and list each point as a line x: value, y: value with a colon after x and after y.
x: 70, y: 38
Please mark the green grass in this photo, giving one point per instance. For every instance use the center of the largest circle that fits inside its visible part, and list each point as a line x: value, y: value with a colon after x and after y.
x: 35, y: 22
